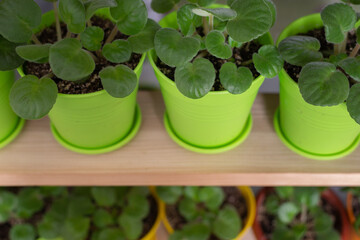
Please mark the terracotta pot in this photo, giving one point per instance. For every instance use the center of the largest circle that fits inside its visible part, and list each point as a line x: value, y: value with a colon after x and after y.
x: 350, y: 212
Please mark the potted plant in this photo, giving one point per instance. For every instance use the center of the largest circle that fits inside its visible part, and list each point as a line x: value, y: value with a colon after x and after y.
x: 97, y: 213
x: 82, y: 68
x: 210, y: 63
x: 352, y: 207
x: 300, y: 213
x: 319, y: 113
x: 203, y: 213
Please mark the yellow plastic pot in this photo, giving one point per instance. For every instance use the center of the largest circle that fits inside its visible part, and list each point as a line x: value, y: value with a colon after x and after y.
x: 96, y: 122
x: 321, y: 133
x: 215, y: 123
x: 151, y: 235
x: 10, y: 124
x: 251, y: 209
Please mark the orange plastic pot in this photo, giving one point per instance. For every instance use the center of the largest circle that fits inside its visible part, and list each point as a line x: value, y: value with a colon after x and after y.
x: 350, y: 212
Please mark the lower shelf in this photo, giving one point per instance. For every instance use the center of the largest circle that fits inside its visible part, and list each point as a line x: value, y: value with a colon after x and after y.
x: 152, y: 158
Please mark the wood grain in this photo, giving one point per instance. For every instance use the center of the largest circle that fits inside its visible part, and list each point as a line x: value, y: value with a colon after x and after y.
x: 152, y: 158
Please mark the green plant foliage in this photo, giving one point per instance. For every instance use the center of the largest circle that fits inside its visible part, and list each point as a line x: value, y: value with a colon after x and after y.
x: 170, y: 195
x: 215, y: 44
x: 223, y: 14
x: 268, y: 61
x: 144, y: 40
x: 91, y: 6
x: 352, y: 67
x: 163, y: 6
x: 22, y: 232
x: 227, y: 223
x: 111, y: 234
x: 34, y: 53
x: 352, y: 1
x: 235, y: 80
x: 353, y: 102
x: 104, y: 196
x: 195, y: 231
x: 92, y: 38
x: 102, y: 218
x: 8, y: 57
x: 118, y: 51
x: 73, y: 13
x: 287, y: 212
x: 272, y: 8
x: 188, y: 20
x: 7, y: 205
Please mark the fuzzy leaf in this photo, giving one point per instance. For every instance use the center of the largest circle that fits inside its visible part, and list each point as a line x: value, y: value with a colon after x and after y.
x: 72, y: 12
x: 268, y: 61
x: 352, y: 67
x: 254, y: 18
x: 119, y: 81
x: 18, y: 18
x: 29, y: 202
x: 118, y: 51
x: 332, y: 234
x: 272, y: 8
x: 9, y: 59
x: 196, y: 79
x: 213, y: 197
x: 104, y: 196
x: 144, y: 40
x: 75, y: 228
x: 111, y: 234
x: 195, y: 231
x: 285, y: 192
x: 227, y: 224
x: 170, y: 195
x: 132, y: 227
x: 272, y: 204
x: 34, y: 53
x: 138, y: 207
x: 215, y: 44
x: 173, y: 49
x: 80, y: 206
x: 8, y: 202
x: 224, y: 14
x: 131, y: 16
x: 102, y: 218
x: 33, y: 98
x: 163, y: 6
x: 187, y: 20
x: 300, y: 50
x: 91, y: 6
x: 353, y: 102
x: 188, y: 209
x: 321, y: 84
x: 287, y: 212
x: 323, y: 222
x: 69, y: 61
x: 192, y: 192
x: 352, y: 1
x: 22, y: 232
x: 92, y: 38
x: 338, y: 19
x: 235, y: 80
x: 284, y: 233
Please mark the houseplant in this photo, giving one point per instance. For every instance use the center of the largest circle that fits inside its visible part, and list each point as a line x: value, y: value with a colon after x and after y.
x: 300, y: 213
x: 207, y: 212
x: 97, y: 213
x: 352, y: 207
x: 82, y: 68
x: 321, y: 73
x: 204, y: 75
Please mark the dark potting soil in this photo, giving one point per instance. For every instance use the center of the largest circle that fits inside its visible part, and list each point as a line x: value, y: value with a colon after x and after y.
x: 232, y: 196
x: 268, y: 221
x: 240, y: 55
x: 93, y: 84
x: 327, y: 49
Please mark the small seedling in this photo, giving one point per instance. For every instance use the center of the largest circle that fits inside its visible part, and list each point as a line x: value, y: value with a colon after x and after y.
x: 223, y: 30
x: 329, y: 81
x: 74, y: 57
x: 204, y: 211
x: 293, y: 208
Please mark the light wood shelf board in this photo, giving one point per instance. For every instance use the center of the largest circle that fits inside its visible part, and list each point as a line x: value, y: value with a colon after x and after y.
x: 152, y: 158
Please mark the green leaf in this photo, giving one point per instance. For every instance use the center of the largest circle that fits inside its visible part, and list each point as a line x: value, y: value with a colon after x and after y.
x: 192, y: 192
x: 69, y: 61
x: 9, y: 60
x: 196, y: 231
x: 233, y: 43
x: 322, y: 222
x: 215, y: 44
x: 187, y: 20
x: 203, y: 3
x: 188, y: 209
x: 213, y: 197
x: 119, y: 81
x: 163, y: 6
x: 272, y: 8
x: 352, y: 1
x: 196, y: 79
x: 18, y: 18
x: 29, y: 202
x: 358, y: 35
x: 104, y: 196
x: 173, y: 49
x: 34, y: 53
x: 254, y: 18
x: 338, y: 19
x: 75, y: 228
x: 132, y: 227
x: 300, y: 50
x: 353, y: 102
x: 352, y: 67
x: 170, y: 195
x: 235, y: 80
x: 22, y: 232
x: 332, y: 234
x: 33, y: 98
x: 321, y: 84
x: 92, y: 38
x: 142, y: 191
x: 272, y: 204
x: 268, y: 61
x: 111, y: 234
x: 177, y: 235
x: 80, y: 206
x: 224, y: 14
x: 91, y: 6
x: 284, y: 233
x: 336, y: 59
x: 102, y: 218
x: 118, y: 51
x: 144, y: 40
x: 227, y: 224
x: 287, y: 212
x: 8, y: 202
x: 131, y: 16
x: 285, y: 192
x: 299, y: 231
x: 138, y: 207
x: 72, y: 12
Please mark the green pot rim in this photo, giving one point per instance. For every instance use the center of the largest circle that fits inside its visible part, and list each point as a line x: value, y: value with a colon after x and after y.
x: 12, y: 135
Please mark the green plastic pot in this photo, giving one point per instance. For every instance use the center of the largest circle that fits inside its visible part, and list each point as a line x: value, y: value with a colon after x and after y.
x: 322, y: 133
x: 10, y: 124
x: 215, y: 123
x: 96, y: 122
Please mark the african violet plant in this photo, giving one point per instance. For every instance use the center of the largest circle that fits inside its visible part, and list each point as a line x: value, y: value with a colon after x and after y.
x: 297, y: 211
x: 74, y: 57
x: 203, y: 210
x: 223, y: 30
x: 329, y: 81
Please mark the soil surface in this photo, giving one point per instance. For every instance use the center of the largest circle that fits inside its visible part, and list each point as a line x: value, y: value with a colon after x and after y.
x: 93, y: 84
x: 232, y: 196
x: 268, y: 221
x: 327, y: 49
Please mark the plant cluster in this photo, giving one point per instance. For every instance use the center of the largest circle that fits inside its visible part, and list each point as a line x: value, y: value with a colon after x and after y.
x: 74, y: 57
x: 333, y: 79
x: 204, y: 211
x: 293, y: 208
x: 224, y: 29
x: 111, y: 213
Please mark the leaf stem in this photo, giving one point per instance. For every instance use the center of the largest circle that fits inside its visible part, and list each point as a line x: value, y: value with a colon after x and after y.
x: 58, y: 28
x: 68, y: 34
x: 206, y: 25
x: 89, y: 23
x: 355, y: 51
x: 211, y: 20
x: 201, y: 55
x: 248, y: 62
x: 341, y: 48
x: 35, y: 39
x: 93, y: 56
x: 49, y: 75
x: 303, y: 215
x: 112, y: 35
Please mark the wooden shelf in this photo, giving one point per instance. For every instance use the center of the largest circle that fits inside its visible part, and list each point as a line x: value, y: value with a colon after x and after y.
x: 152, y: 158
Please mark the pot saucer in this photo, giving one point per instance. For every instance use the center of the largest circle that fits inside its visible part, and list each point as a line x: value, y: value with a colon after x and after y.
x: 92, y: 151
x: 212, y: 150
x: 13, y: 134
x: 305, y: 153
